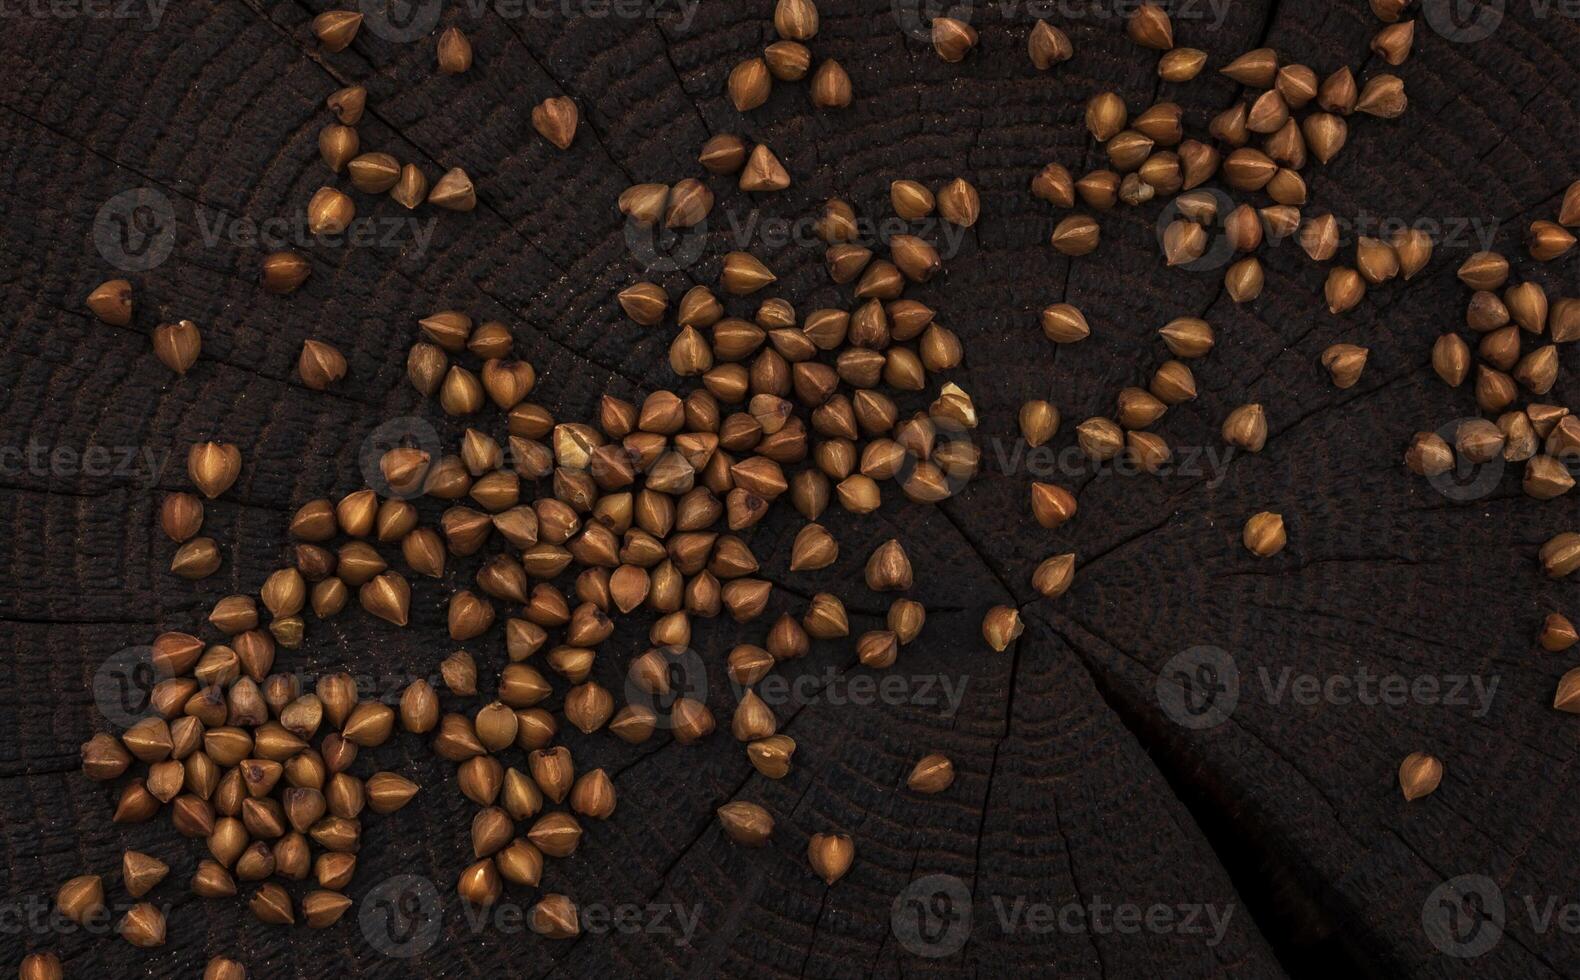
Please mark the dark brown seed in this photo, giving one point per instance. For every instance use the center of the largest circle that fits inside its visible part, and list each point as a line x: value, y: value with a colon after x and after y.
x: 763, y: 172
x: 454, y: 51
x: 221, y: 968
x: 1479, y: 440
x: 796, y: 20
x: 1055, y: 575
x: 1558, y: 633
x: 1548, y: 240
x: 454, y: 191
x: 143, y: 926
x: 284, y: 272
x: 1344, y: 289
x: 556, y: 834
x: 1338, y: 92
x: 555, y: 119
x: 335, y: 29
x: 1039, y: 421
x: 1054, y: 184
x: 1256, y: 69
x: 323, y: 908
x: 1076, y: 235
x: 1100, y: 439
x: 1264, y: 534
x: 1344, y: 363
x: 480, y: 884
x: 953, y: 39
x: 140, y: 873
x: 41, y: 966
x: 1560, y: 556
x: 1429, y: 455
x: 958, y: 203
x: 723, y: 154
x: 1382, y: 96
x: 1375, y: 260
x: 1393, y: 42
x: 555, y: 917
x: 1546, y: 478
x: 181, y: 516
x: 1419, y: 775
x: 931, y: 774
x: 1181, y: 64
x: 81, y: 899
x: 788, y: 61
x: 1001, y: 626
x: 746, y: 823
x: 1048, y: 46
x: 593, y: 795
x: 196, y: 559
x: 320, y: 365
x: 749, y: 85
x: 830, y: 855
x: 691, y: 721
x: 412, y: 188
x: 743, y: 274
x: 177, y: 345
x: 374, y: 173
x: 1569, y: 211
x: 1106, y: 116
x: 1567, y: 697
x: 112, y: 302
x: 348, y: 103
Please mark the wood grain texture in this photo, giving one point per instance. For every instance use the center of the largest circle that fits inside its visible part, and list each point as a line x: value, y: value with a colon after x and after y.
x: 1074, y: 785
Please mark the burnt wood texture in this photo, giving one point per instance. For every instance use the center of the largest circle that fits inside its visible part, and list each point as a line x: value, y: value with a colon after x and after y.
x: 1079, y: 787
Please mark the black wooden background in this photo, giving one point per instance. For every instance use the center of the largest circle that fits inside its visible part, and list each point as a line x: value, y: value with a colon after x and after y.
x: 1074, y: 786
